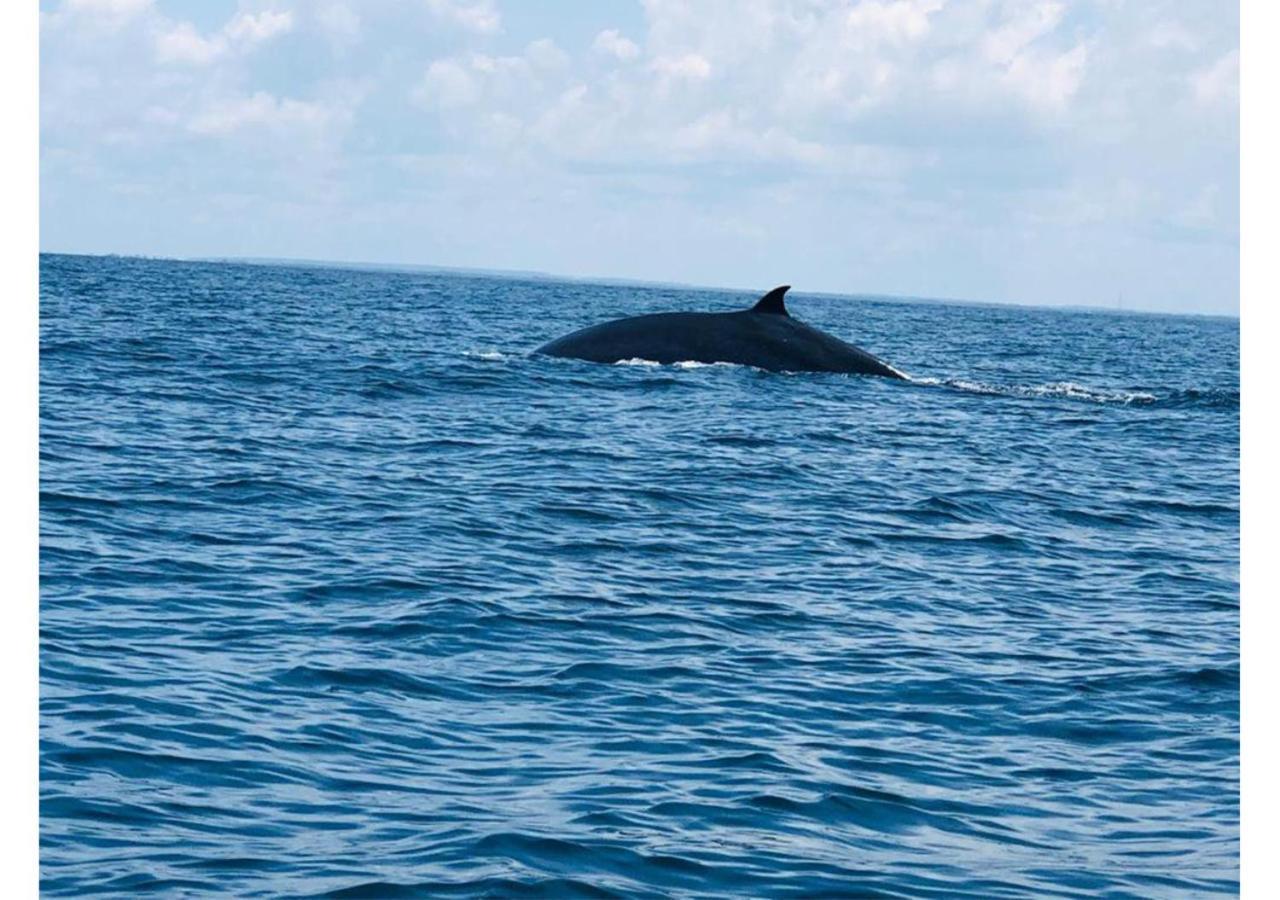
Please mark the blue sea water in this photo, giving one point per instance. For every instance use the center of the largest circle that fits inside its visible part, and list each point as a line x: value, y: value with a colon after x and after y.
x: 345, y: 592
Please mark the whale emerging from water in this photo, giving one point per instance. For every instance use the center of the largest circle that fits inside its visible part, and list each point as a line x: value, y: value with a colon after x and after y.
x: 764, y: 336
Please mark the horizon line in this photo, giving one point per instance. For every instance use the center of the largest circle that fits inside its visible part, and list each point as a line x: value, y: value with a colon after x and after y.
x: 536, y: 274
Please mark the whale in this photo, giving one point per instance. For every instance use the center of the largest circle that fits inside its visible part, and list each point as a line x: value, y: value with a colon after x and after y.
x: 765, y: 336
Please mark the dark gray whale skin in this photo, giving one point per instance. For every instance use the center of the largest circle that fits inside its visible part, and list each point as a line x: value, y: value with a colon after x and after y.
x: 764, y: 336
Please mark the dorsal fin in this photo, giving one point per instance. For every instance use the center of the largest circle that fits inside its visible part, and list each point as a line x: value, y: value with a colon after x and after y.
x: 772, y: 302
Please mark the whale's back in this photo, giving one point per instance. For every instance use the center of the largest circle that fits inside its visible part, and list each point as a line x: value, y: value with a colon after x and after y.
x: 766, y: 340
x: 661, y: 338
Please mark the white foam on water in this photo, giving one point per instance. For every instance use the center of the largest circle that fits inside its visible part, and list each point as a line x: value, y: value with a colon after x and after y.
x: 682, y: 364
x: 1068, y: 389
x: 487, y: 355
x: 694, y: 364
x: 1084, y: 392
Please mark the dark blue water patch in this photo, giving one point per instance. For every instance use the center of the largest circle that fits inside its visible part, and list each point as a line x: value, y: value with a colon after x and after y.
x: 345, y: 592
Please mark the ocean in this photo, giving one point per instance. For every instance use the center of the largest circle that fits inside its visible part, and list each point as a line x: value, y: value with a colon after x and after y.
x: 344, y: 592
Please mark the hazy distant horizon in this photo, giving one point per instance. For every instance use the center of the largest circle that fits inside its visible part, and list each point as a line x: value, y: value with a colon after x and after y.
x: 533, y: 275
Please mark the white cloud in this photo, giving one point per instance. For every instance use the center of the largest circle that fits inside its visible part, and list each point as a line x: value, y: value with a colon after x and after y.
x: 515, y: 81
x: 1004, y: 43
x: 689, y: 67
x: 897, y: 21
x: 1048, y: 81
x: 611, y: 43
x: 723, y: 133
x: 1218, y: 83
x: 181, y: 43
x: 260, y: 109
x: 447, y: 84
x: 544, y: 54
x: 252, y: 29
x: 1018, y: 51
x: 480, y: 16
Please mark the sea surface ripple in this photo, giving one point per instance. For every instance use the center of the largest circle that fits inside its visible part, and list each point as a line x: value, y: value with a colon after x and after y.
x: 344, y: 592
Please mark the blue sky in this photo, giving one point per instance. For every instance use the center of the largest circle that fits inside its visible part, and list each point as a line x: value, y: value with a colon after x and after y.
x: 1035, y: 152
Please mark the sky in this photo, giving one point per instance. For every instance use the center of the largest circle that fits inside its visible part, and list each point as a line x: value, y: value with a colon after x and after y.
x: 1040, y: 152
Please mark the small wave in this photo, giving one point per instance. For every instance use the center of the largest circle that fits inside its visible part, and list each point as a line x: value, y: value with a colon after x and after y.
x: 487, y: 355
x: 637, y: 361
x: 740, y: 440
x: 1213, y: 398
x: 390, y: 387
x: 493, y: 886
x: 359, y: 679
